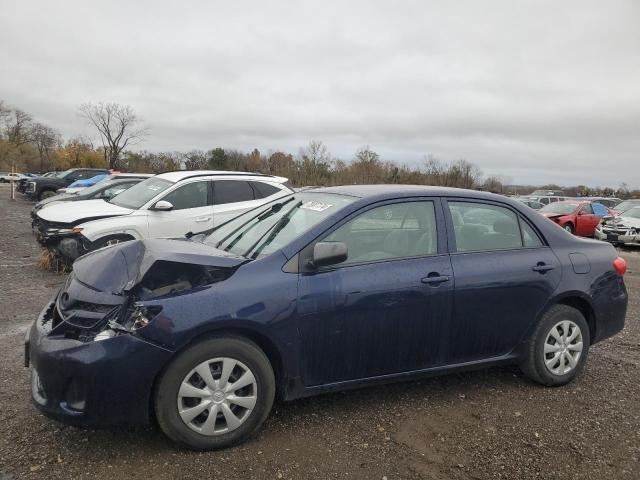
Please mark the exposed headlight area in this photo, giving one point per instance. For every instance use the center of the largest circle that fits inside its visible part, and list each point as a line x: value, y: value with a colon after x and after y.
x: 31, y: 187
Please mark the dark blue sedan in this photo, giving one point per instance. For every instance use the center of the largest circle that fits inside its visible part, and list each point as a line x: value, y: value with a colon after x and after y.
x: 324, y: 290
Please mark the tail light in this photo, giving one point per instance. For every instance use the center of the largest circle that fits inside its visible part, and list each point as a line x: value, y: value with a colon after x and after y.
x: 620, y: 266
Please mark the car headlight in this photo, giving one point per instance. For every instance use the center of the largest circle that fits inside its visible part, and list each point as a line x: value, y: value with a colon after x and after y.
x: 63, y: 231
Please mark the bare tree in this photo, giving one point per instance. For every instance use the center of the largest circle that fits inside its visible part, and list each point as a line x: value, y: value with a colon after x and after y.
x: 19, y: 127
x: 118, y: 126
x: 45, y: 139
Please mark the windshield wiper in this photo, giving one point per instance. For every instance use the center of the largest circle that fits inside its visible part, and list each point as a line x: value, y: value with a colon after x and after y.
x: 275, y: 208
x: 272, y: 232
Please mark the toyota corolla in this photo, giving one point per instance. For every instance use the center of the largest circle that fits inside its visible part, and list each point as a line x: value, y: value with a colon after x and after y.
x: 323, y: 290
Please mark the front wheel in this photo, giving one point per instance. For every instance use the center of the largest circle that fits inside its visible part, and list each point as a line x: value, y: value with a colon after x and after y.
x: 569, y: 228
x: 46, y: 194
x: 215, y: 394
x: 558, y: 348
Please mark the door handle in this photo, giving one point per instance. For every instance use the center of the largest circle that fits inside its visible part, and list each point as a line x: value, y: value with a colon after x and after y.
x: 435, y: 279
x: 203, y: 219
x: 542, y: 268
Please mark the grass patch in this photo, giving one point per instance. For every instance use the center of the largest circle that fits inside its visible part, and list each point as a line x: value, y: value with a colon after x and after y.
x: 53, y: 262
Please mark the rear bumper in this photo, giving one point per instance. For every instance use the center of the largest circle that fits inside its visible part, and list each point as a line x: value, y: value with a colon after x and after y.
x: 92, y: 384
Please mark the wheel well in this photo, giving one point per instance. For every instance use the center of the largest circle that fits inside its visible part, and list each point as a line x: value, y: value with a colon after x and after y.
x: 263, y: 342
x: 585, y: 308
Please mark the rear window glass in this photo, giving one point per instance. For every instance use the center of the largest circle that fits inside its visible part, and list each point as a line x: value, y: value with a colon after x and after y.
x: 263, y: 190
x: 232, y: 191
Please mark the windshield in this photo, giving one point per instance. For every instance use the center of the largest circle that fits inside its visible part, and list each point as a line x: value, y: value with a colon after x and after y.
x: 102, y: 184
x: 64, y: 174
x: 559, y: 207
x: 633, y: 212
x: 139, y: 194
x: 626, y: 205
x: 262, y: 231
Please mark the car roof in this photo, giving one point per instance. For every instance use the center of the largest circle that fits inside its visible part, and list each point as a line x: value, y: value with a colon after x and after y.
x: 366, y: 191
x: 179, y: 175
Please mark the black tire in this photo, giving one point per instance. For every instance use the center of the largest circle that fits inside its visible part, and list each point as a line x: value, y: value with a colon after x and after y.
x: 534, y: 357
x: 108, y: 241
x: 569, y: 228
x: 166, y: 394
x: 45, y: 194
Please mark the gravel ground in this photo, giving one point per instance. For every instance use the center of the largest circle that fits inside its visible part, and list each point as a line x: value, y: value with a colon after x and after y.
x: 479, y: 425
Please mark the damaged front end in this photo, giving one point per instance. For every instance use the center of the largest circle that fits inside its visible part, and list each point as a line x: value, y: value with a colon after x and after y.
x: 112, y: 291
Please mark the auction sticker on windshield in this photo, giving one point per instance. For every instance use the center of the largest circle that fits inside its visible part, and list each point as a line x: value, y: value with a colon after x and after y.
x: 316, y: 206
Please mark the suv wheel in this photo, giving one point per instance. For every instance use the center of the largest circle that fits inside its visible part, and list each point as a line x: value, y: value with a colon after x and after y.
x: 215, y: 394
x: 557, y: 350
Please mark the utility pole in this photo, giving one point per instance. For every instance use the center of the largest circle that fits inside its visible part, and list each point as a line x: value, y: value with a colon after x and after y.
x: 13, y: 171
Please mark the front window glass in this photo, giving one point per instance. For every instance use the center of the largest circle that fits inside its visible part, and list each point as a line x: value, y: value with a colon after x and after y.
x: 563, y: 208
x: 264, y: 230
x: 191, y: 195
x: 398, y: 230
x: 139, y: 194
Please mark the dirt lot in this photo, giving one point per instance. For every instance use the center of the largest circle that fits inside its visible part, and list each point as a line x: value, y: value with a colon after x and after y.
x: 479, y: 425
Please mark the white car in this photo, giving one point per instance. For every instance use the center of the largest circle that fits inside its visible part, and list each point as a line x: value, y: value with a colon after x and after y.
x: 621, y: 230
x: 7, y: 177
x: 168, y: 205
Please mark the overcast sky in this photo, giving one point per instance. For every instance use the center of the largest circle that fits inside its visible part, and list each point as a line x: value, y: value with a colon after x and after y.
x: 537, y: 91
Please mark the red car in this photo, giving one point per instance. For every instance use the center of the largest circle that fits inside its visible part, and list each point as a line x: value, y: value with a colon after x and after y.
x: 575, y: 216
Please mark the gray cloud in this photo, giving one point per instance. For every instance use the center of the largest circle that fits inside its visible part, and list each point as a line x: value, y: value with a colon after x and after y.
x: 539, y: 91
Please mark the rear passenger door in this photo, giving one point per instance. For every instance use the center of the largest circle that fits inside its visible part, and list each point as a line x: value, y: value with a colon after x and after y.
x: 504, y: 275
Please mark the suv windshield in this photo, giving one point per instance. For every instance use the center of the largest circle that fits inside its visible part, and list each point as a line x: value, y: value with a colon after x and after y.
x: 264, y: 230
x: 559, y: 207
x: 65, y: 173
x: 139, y: 194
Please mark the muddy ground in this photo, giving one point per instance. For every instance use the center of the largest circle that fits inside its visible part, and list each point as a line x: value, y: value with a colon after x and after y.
x: 478, y: 425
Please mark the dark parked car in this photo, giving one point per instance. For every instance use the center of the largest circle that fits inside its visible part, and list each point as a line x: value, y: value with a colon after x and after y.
x: 43, y: 187
x: 318, y: 292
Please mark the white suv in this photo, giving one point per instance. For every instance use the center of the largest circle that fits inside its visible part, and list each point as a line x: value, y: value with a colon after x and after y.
x: 168, y: 205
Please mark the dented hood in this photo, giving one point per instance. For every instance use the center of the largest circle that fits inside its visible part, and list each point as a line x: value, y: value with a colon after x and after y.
x: 82, y: 209
x: 119, y: 268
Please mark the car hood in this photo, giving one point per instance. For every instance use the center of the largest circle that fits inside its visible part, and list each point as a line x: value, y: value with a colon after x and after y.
x: 82, y: 210
x: 119, y: 268
x: 624, y: 221
x: 554, y: 215
x: 56, y: 198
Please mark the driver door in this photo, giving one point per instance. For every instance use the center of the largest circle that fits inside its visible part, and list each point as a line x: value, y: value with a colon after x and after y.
x: 192, y: 211
x: 586, y: 221
x: 387, y: 307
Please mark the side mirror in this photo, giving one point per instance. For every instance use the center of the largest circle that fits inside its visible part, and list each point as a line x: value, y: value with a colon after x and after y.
x: 328, y: 253
x: 163, y: 206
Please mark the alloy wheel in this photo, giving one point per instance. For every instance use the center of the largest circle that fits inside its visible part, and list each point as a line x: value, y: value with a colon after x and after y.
x: 563, y: 347
x: 217, y: 396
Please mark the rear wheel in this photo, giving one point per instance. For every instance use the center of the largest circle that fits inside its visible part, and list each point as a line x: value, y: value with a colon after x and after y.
x: 558, y: 348
x: 215, y: 394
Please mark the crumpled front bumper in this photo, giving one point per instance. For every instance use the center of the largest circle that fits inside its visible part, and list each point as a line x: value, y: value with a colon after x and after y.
x: 607, y: 236
x: 92, y: 384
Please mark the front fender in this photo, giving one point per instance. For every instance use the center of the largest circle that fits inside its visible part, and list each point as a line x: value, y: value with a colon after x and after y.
x: 106, y: 227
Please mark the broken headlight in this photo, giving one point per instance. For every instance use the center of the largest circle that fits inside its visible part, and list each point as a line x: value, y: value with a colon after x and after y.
x: 139, y: 317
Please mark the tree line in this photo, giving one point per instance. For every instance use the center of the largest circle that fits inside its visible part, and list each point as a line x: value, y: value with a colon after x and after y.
x: 29, y: 145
